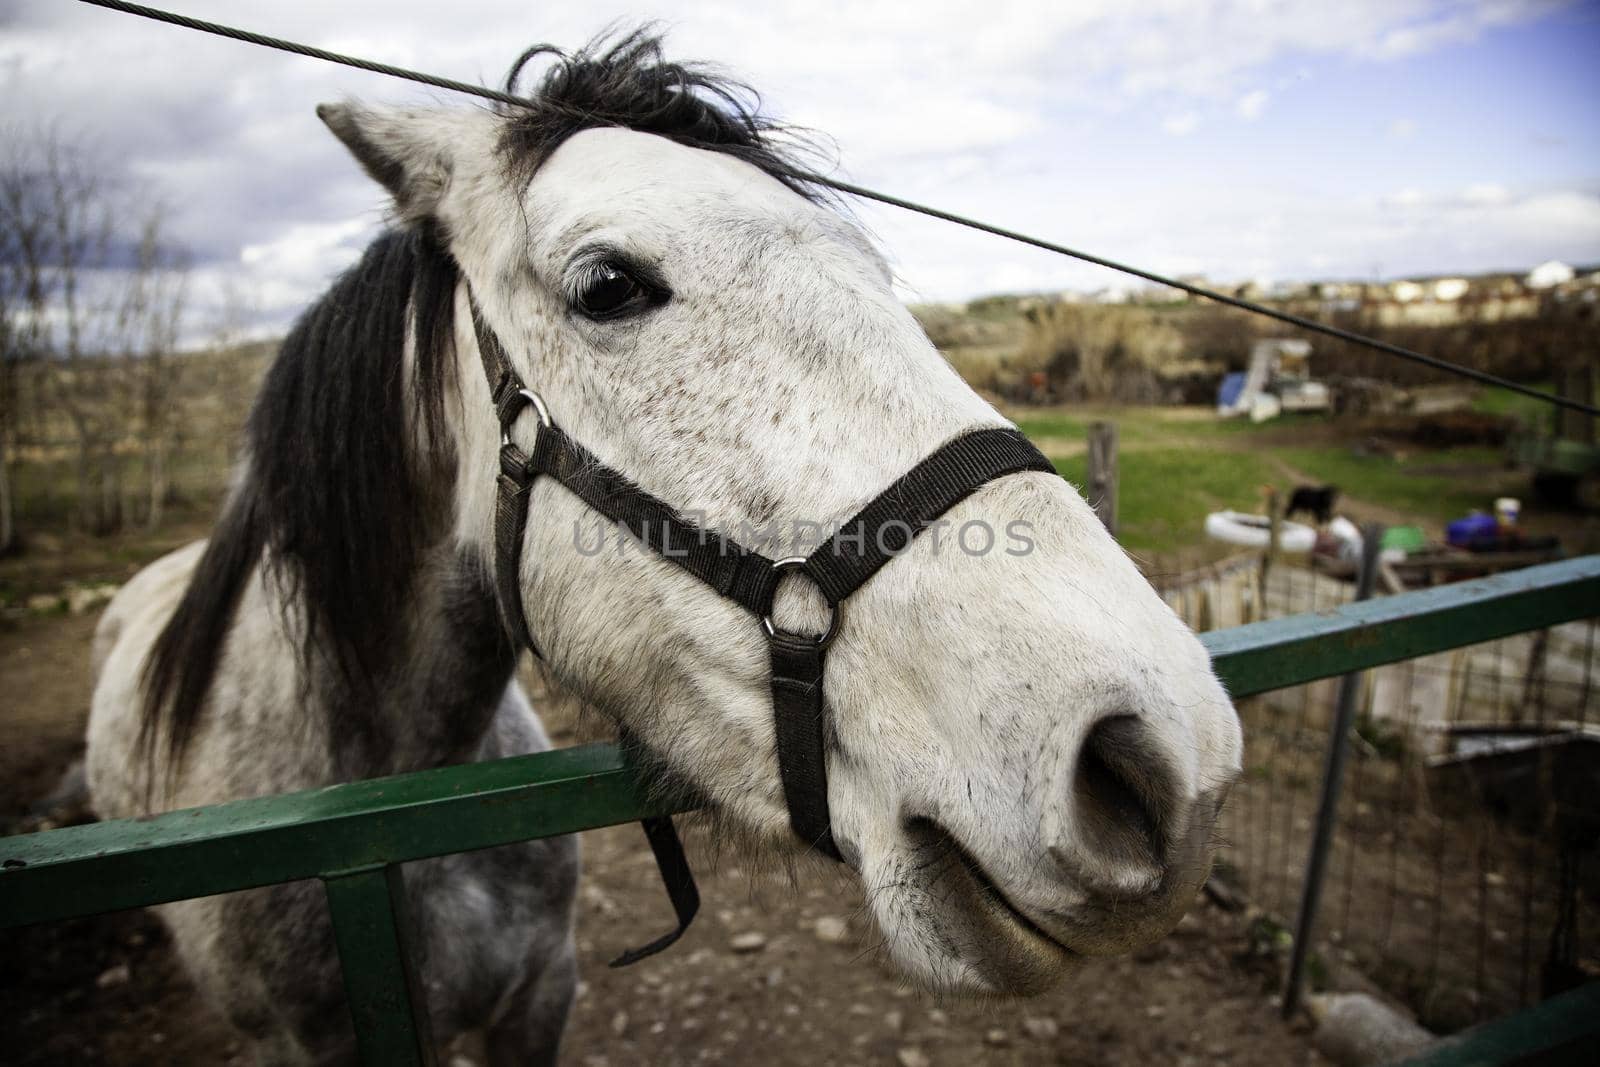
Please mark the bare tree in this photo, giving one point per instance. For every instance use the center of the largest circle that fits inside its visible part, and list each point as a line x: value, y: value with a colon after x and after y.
x: 92, y: 299
x: 148, y: 320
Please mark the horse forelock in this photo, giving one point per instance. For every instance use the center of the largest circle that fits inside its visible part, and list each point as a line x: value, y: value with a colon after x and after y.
x: 625, y: 81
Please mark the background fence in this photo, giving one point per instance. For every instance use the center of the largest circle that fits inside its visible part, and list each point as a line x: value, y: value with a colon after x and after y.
x: 1456, y: 880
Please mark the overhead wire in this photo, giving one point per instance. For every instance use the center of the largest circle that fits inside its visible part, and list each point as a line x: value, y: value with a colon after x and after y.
x: 1298, y: 321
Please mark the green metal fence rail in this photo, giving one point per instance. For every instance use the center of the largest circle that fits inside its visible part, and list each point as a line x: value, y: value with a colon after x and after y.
x: 1563, y: 1030
x: 354, y: 836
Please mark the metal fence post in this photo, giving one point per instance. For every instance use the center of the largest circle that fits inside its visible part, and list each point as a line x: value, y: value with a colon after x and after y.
x: 372, y: 930
x: 1332, y: 778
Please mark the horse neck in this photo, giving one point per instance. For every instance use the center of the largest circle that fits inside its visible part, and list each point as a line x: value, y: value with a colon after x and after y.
x: 437, y: 693
x: 444, y: 663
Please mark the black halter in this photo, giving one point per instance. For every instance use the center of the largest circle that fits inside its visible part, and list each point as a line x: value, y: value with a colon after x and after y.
x: 843, y: 563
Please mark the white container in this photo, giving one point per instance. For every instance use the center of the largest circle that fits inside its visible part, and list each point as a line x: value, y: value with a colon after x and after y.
x: 1238, y: 528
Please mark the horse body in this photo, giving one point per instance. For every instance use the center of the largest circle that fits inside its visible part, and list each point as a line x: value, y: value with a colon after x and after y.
x: 493, y: 929
x: 1026, y: 749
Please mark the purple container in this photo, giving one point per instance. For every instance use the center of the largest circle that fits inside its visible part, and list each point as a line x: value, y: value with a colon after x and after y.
x: 1475, y: 527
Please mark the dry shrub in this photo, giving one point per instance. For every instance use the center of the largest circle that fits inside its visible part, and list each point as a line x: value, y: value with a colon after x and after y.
x: 1101, y: 352
x: 1526, y: 350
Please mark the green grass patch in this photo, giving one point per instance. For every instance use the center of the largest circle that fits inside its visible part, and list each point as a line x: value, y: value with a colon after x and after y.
x: 1403, y: 485
x: 1166, y: 493
x: 1041, y: 426
x: 1155, y: 425
x: 1533, y: 414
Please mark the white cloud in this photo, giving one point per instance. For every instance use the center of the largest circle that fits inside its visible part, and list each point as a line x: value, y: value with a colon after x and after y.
x: 1402, y: 129
x: 978, y: 106
x: 1181, y: 125
x: 1486, y: 193
x: 1455, y: 26
x: 1252, y: 104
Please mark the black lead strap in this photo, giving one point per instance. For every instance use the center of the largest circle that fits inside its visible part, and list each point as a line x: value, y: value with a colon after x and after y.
x: 879, y: 532
x: 679, y: 880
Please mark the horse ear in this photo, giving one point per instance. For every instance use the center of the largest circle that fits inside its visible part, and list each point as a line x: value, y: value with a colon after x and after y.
x: 407, y: 152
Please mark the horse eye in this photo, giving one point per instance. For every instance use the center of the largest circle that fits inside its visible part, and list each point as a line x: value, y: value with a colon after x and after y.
x: 609, y: 292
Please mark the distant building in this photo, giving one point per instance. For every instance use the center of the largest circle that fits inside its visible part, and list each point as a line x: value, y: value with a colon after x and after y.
x: 1548, y: 275
x: 1450, y: 288
x: 1405, y: 292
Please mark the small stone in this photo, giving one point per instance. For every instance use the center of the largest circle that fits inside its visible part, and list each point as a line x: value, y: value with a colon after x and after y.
x: 831, y: 929
x: 459, y: 1060
x: 774, y: 977
x: 81, y: 599
x: 938, y: 1018
x: 44, y: 603
x: 911, y: 1056
x: 748, y: 942
x: 1357, y: 1028
x: 894, y: 1020
x: 619, y: 1023
x: 1155, y: 1011
x: 997, y: 1037
x: 1041, y: 1028
x: 113, y: 976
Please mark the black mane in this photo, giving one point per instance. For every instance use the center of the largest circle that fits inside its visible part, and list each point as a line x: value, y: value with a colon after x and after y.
x: 331, y: 501
x: 629, y: 83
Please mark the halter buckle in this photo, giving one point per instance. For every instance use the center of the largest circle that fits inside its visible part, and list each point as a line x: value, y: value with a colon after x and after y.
x: 529, y: 398
x: 798, y: 563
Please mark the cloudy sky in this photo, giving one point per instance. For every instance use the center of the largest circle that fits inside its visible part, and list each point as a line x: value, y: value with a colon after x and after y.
x: 1237, y: 138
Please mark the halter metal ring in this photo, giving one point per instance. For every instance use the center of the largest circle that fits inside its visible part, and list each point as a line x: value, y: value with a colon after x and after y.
x: 533, y: 399
x: 798, y: 563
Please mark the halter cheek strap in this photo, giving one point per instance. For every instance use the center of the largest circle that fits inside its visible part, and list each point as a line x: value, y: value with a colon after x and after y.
x: 861, y: 546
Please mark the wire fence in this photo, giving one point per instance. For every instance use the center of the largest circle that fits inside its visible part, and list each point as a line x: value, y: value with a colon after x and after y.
x: 1457, y: 881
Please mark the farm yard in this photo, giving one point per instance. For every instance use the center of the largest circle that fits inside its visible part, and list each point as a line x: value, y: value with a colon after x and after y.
x: 1351, y: 447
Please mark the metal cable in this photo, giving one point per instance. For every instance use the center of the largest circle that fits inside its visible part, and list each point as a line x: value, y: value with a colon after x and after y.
x: 1298, y: 321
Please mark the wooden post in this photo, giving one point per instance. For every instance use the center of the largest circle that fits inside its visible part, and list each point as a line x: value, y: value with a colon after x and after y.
x: 1577, y: 383
x: 1272, y: 544
x: 1103, y: 472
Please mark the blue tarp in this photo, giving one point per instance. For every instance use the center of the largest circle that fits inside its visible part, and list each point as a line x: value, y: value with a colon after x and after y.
x: 1228, y: 392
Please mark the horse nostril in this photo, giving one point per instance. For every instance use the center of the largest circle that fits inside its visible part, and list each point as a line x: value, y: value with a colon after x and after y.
x: 1123, y: 795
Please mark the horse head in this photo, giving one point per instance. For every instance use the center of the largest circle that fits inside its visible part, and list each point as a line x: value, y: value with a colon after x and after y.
x: 1026, y: 749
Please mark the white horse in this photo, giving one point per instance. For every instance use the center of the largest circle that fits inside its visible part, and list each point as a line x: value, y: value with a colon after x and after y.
x: 1026, y: 748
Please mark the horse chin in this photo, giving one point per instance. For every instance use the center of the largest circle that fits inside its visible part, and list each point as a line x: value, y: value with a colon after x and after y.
x: 951, y: 931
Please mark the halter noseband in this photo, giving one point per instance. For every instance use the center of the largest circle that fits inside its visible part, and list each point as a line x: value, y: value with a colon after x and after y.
x: 841, y: 565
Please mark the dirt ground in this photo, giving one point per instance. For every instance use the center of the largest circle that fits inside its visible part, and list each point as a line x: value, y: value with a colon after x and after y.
x: 107, y: 989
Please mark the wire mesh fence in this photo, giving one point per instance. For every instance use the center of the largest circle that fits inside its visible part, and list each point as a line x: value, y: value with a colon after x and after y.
x: 1457, y: 881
